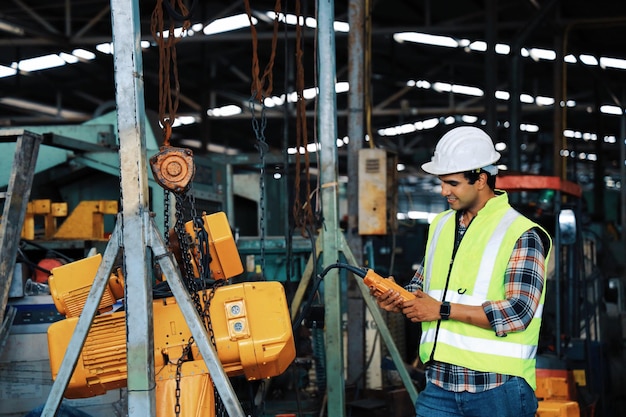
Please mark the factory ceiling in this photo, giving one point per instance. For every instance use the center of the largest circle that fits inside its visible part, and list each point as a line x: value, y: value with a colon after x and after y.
x: 418, y: 90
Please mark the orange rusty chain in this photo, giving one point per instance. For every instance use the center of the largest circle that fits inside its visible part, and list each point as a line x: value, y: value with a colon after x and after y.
x: 168, y: 101
x: 173, y: 168
x: 302, y: 213
x: 261, y: 89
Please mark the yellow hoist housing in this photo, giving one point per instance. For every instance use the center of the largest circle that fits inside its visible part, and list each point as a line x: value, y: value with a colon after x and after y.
x: 250, y: 322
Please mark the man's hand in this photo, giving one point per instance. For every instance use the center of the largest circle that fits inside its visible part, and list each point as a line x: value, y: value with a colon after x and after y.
x: 422, y: 308
x: 389, y: 300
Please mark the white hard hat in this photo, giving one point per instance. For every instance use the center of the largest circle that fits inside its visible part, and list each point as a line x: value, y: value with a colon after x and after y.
x: 462, y: 149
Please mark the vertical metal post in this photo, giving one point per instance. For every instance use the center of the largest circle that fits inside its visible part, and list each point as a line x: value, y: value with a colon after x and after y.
x: 356, y: 305
x: 515, y: 80
x: 622, y: 170
x: 558, y: 259
x: 134, y: 185
x: 14, y: 212
x: 329, y: 193
x: 491, y: 68
x: 560, y: 107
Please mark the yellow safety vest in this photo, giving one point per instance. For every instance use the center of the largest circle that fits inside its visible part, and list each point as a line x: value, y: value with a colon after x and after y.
x: 477, y: 275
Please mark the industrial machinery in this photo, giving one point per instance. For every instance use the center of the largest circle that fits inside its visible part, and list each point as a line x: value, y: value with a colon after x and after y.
x: 570, y: 358
x: 248, y: 324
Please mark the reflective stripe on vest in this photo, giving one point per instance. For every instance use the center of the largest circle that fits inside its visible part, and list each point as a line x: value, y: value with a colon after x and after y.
x: 430, y: 256
x: 478, y: 345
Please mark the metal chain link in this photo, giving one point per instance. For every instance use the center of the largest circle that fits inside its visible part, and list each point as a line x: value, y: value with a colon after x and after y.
x: 203, y: 261
x: 166, y: 217
x: 220, y: 409
x: 184, y: 241
x: 179, y: 364
x: 262, y: 146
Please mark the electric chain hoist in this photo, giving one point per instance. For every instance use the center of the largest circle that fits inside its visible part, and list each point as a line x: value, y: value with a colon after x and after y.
x: 250, y: 329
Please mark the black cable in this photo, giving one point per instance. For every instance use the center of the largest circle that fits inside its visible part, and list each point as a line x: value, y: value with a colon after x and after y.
x: 38, y: 246
x: 361, y: 272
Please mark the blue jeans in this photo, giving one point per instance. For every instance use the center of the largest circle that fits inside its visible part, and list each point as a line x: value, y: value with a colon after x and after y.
x: 514, y: 398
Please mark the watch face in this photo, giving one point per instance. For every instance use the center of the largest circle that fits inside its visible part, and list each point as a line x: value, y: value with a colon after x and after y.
x: 444, y: 311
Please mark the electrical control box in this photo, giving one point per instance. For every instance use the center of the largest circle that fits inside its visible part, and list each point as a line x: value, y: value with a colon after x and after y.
x: 377, y: 191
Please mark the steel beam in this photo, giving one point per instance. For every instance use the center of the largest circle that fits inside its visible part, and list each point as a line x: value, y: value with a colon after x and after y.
x: 329, y: 195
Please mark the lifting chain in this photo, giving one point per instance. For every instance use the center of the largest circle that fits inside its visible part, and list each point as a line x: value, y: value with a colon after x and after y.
x: 262, y: 146
x: 261, y: 89
x: 201, y: 285
x: 184, y: 357
x: 302, y: 212
x: 172, y: 167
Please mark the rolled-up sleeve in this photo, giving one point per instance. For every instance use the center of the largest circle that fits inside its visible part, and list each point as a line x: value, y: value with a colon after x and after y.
x: 524, y: 281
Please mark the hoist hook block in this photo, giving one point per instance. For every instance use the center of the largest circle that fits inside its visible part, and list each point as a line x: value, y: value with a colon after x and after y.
x: 173, y: 168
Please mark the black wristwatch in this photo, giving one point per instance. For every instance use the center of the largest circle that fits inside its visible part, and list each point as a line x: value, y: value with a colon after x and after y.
x: 444, y: 310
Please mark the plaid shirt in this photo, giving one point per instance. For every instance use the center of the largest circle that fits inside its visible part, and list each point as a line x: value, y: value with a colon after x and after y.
x: 523, y: 286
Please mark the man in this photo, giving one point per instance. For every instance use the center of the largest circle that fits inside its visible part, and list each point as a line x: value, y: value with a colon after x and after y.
x: 479, y: 291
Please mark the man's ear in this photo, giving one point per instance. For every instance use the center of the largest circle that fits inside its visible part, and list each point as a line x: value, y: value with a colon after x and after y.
x: 482, y: 179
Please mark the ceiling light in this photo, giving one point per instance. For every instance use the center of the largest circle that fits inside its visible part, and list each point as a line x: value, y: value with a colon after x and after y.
x: 588, y: 59
x: 608, y: 109
x: 426, y: 39
x: 442, y: 87
x: 41, y: 62
x: 342, y: 87
x: 526, y: 98
x: 503, y: 49
x: 612, y: 63
x: 529, y: 128
x: 7, y: 71
x: 502, y: 95
x: 69, y: 59
x: 467, y: 90
x: 479, y: 46
x: 83, y: 54
x: 538, y: 53
x: 228, y: 24
x: 225, y: 111
x: 544, y: 101
x: 570, y: 59
x: 105, y: 48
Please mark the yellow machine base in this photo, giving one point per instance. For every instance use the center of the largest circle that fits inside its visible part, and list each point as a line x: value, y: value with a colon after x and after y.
x: 558, y: 409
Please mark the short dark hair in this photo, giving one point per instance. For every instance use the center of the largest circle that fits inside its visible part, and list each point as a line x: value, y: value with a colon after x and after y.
x: 472, y: 177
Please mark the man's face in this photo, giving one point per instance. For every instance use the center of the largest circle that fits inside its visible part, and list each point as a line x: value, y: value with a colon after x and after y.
x: 461, y: 195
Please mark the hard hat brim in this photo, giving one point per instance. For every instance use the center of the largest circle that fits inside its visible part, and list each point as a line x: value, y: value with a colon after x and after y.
x: 433, y: 168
